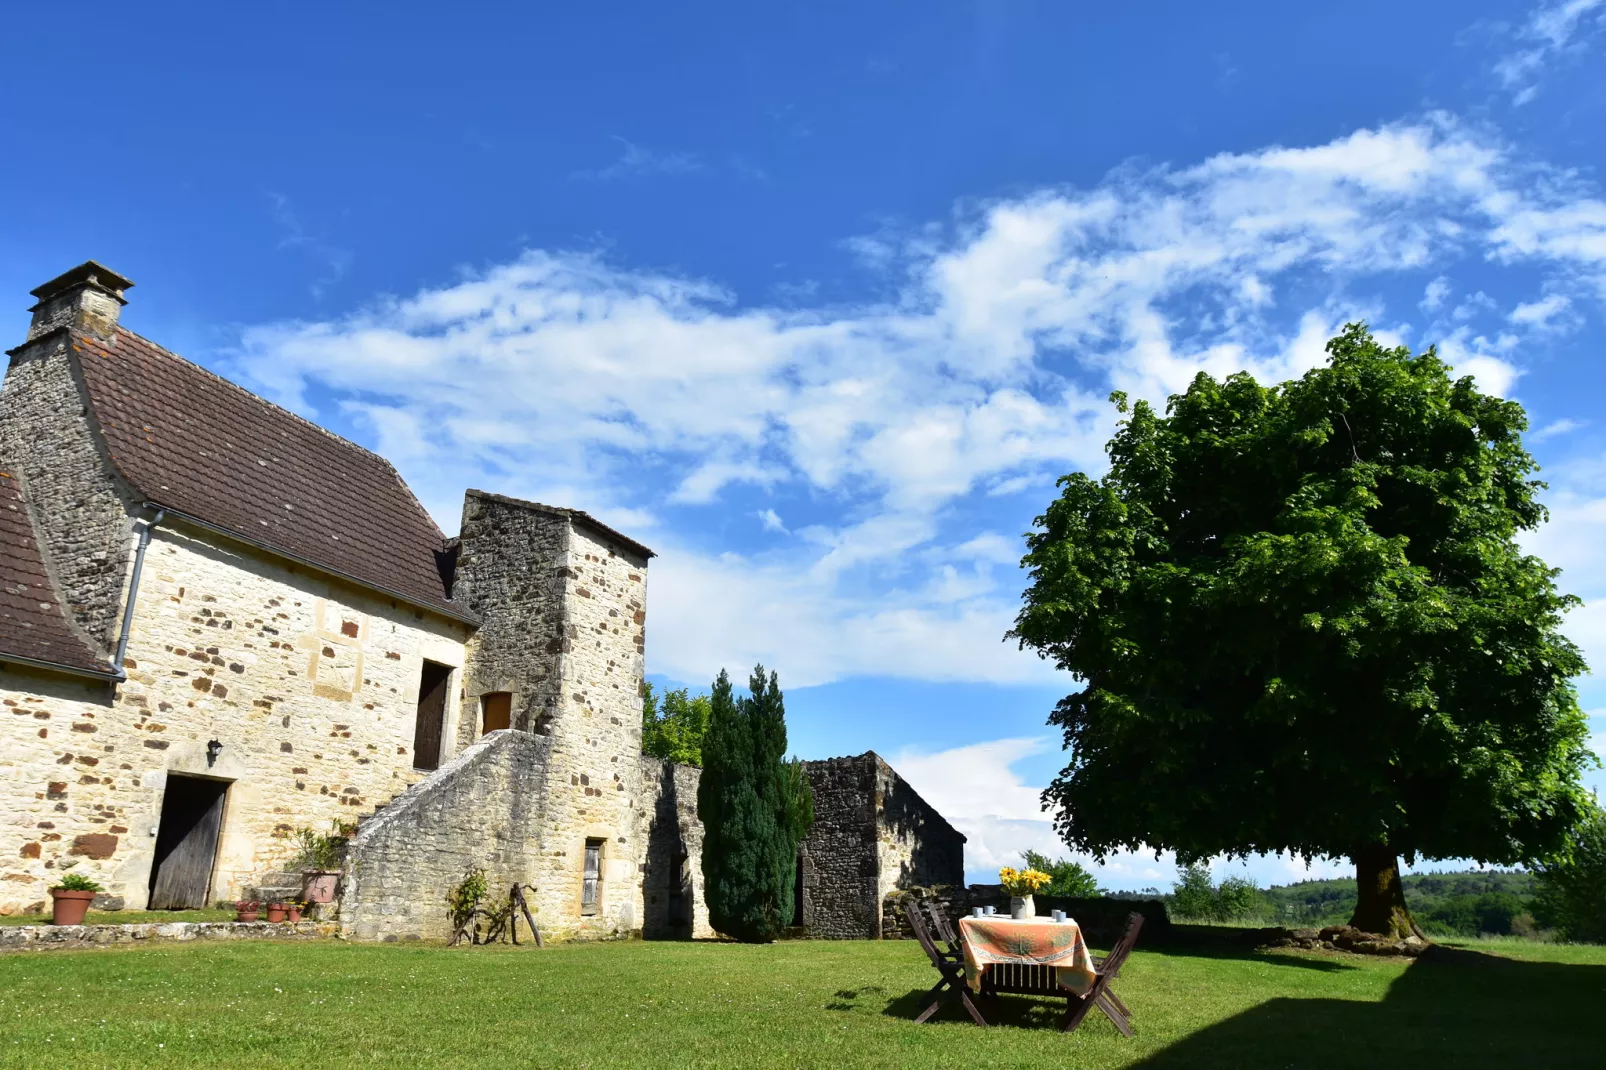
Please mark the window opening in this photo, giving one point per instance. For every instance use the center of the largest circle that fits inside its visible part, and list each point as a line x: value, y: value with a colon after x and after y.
x: 496, y: 711
x: 591, y: 885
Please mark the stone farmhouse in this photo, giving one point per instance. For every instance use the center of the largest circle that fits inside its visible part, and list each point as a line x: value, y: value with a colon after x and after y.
x: 220, y: 622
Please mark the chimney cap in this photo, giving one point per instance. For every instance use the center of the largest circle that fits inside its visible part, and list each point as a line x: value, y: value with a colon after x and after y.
x: 89, y: 273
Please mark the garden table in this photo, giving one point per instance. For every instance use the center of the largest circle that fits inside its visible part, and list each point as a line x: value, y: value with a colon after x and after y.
x: 999, y: 940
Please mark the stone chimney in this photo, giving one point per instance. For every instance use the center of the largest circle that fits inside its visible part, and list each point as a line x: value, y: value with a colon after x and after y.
x: 87, y: 298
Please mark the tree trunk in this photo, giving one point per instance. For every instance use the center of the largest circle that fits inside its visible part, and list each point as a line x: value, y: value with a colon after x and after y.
x: 1380, y: 902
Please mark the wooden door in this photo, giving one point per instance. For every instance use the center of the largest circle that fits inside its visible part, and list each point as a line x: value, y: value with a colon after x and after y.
x: 432, y: 684
x: 496, y: 709
x: 186, y: 842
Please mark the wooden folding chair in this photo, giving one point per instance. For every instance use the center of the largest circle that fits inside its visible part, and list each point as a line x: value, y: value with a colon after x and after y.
x: 1106, y: 972
x: 953, y: 973
x: 943, y: 929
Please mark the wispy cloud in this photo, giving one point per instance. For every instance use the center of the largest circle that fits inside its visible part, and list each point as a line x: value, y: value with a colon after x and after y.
x: 331, y: 261
x: 1552, y: 30
x: 637, y: 161
x: 1557, y: 427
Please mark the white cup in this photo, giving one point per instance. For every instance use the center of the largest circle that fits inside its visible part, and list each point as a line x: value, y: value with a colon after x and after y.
x: 975, y: 912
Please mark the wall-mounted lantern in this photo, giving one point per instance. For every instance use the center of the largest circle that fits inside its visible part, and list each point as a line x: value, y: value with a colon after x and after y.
x: 213, y: 749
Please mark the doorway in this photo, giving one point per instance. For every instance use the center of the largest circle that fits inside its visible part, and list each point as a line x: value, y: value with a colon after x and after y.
x: 432, y: 689
x: 186, y: 842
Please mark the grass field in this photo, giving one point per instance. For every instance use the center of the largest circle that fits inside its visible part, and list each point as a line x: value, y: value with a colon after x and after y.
x: 797, y: 1004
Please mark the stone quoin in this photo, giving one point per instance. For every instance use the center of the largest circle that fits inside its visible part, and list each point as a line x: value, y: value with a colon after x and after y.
x: 220, y: 623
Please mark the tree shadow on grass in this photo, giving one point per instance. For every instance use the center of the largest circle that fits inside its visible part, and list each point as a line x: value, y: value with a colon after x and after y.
x: 1449, y: 1007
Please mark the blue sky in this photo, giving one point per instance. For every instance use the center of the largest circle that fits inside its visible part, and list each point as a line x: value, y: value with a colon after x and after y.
x: 819, y: 299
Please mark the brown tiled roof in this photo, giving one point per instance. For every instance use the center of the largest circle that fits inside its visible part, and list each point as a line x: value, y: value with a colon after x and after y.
x: 33, y: 625
x: 201, y: 446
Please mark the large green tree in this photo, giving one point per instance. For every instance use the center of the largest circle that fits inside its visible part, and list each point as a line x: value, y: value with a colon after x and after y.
x: 755, y: 807
x: 1303, y: 623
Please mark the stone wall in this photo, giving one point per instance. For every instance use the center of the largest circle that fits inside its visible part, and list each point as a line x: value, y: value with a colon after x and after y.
x: 917, y: 847
x: 73, y: 496
x: 873, y: 834
x: 511, y: 571
x: 311, y: 686
x: 596, y: 789
x: 672, y: 886
x: 840, y: 859
x: 484, y: 808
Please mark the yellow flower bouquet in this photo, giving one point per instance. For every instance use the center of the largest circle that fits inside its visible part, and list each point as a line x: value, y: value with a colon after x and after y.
x: 1019, y: 882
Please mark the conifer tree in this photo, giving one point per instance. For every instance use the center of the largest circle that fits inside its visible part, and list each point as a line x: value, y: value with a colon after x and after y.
x: 755, y: 807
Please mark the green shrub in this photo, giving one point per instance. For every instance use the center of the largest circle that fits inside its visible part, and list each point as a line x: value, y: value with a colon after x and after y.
x: 77, y: 882
x: 317, y: 850
x: 1069, y: 878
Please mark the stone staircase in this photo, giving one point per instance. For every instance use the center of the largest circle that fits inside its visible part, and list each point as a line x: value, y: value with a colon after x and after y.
x: 284, y: 885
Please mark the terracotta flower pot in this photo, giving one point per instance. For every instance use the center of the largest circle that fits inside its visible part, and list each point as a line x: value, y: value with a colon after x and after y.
x: 318, y: 885
x: 293, y: 910
x: 275, y: 913
x: 69, y: 908
x: 246, y: 910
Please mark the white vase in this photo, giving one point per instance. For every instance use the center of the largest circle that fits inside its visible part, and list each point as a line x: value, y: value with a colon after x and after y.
x: 1021, y: 907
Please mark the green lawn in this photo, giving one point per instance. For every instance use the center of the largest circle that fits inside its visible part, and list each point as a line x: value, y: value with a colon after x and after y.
x: 795, y: 1004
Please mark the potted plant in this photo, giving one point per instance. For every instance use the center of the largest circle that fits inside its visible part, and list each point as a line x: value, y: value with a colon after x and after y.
x: 293, y: 911
x: 275, y: 912
x: 320, y: 858
x: 246, y: 910
x: 1020, y: 884
x: 69, y: 900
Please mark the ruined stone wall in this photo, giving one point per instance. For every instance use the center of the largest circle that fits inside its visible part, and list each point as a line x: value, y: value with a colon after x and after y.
x: 596, y: 789
x: 672, y: 877
x: 511, y: 571
x: 484, y: 809
x: 841, y: 880
x: 311, y: 686
x: 73, y: 495
x: 916, y: 846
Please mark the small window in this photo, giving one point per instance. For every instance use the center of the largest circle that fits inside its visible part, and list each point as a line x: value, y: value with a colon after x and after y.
x: 496, y: 711
x: 591, y: 886
x: 432, y: 692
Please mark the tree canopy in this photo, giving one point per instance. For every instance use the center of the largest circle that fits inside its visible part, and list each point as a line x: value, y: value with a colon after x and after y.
x: 1302, y: 623
x: 755, y: 806
x: 672, y: 728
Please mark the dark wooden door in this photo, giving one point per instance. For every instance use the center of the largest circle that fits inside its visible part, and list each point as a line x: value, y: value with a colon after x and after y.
x: 432, y: 684
x: 186, y: 842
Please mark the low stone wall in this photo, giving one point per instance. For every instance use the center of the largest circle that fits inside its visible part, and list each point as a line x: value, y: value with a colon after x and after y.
x: 484, y: 808
x: 950, y: 898
x: 60, y: 937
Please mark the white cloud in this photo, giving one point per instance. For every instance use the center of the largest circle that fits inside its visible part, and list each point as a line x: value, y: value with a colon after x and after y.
x: 1552, y: 28
x: 1557, y: 427
x: 566, y: 378
x: 1540, y: 313
x: 1434, y: 294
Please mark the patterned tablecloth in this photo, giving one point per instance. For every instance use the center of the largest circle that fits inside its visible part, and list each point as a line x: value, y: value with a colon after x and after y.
x: 1040, y: 941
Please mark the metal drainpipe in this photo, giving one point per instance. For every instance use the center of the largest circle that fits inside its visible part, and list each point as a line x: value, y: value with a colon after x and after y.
x: 133, y: 591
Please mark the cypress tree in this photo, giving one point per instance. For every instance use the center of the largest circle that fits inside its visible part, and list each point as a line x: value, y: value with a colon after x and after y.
x: 755, y: 807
